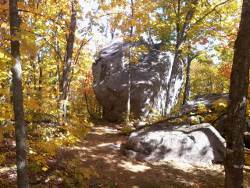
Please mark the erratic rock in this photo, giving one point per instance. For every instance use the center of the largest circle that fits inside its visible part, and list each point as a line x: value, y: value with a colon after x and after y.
x: 197, y: 144
x: 149, y: 78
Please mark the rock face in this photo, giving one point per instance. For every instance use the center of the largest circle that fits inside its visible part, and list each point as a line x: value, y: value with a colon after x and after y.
x: 148, y: 79
x: 197, y: 144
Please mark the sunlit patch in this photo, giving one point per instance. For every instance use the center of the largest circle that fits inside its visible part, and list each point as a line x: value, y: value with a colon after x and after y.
x: 110, y: 145
x: 127, y: 165
x: 190, y: 168
x: 82, y: 148
x: 103, y: 130
x: 7, y: 169
x: 94, y: 156
x: 10, y: 171
x: 135, y: 186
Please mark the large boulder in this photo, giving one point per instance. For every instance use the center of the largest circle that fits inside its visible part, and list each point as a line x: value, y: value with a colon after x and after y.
x: 197, y: 144
x: 149, y: 79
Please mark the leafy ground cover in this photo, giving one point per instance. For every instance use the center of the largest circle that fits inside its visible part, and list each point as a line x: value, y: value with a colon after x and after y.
x: 95, y: 160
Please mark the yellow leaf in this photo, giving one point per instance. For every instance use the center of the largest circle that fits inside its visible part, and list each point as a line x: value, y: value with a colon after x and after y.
x: 4, y: 53
x: 44, y: 169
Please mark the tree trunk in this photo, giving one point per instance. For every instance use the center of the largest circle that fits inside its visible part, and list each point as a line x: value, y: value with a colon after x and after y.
x: 40, y: 80
x: 187, y: 83
x: 22, y: 176
x: 176, y: 78
x: 64, y: 85
x: 127, y: 120
x: 234, y: 160
x: 68, y: 53
x: 175, y: 83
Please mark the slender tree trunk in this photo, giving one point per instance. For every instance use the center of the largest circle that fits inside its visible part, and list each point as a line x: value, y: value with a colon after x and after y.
x: 69, y: 53
x: 40, y: 79
x: 175, y: 83
x: 176, y: 76
x: 129, y: 92
x: 75, y: 62
x: 187, y: 83
x: 64, y: 84
x: 234, y: 160
x: 40, y: 82
x: 33, y: 80
x: 22, y: 176
x: 129, y: 72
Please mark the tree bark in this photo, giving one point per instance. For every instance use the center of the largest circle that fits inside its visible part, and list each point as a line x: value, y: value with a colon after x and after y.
x: 175, y: 83
x: 40, y: 77
x: 127, y: 119
x: 187, y: 82
x: 22, y: 176
x: 68, y: 53
x: 64, y: 84
x: 234, y: 159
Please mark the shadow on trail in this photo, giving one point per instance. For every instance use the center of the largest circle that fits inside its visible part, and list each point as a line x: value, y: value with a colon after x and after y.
x: 100, y: 150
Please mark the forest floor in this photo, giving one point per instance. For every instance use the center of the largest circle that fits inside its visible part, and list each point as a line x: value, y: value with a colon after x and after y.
x: 100, y: 152
x: 96, y: 162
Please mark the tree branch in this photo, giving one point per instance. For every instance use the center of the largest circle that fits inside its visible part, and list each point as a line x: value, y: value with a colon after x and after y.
x: 211, y: 11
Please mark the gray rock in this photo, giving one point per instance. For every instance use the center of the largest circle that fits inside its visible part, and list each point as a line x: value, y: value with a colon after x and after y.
x: 221, y: 115
x: 149, y: 81
x: 197, y: 144
x: 207, y: 100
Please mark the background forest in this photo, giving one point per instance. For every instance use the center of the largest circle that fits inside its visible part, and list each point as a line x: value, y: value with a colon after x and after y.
x: 60, y: 40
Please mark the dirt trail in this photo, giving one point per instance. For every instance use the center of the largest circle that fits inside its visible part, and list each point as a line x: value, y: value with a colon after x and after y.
x: 100, y: 151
